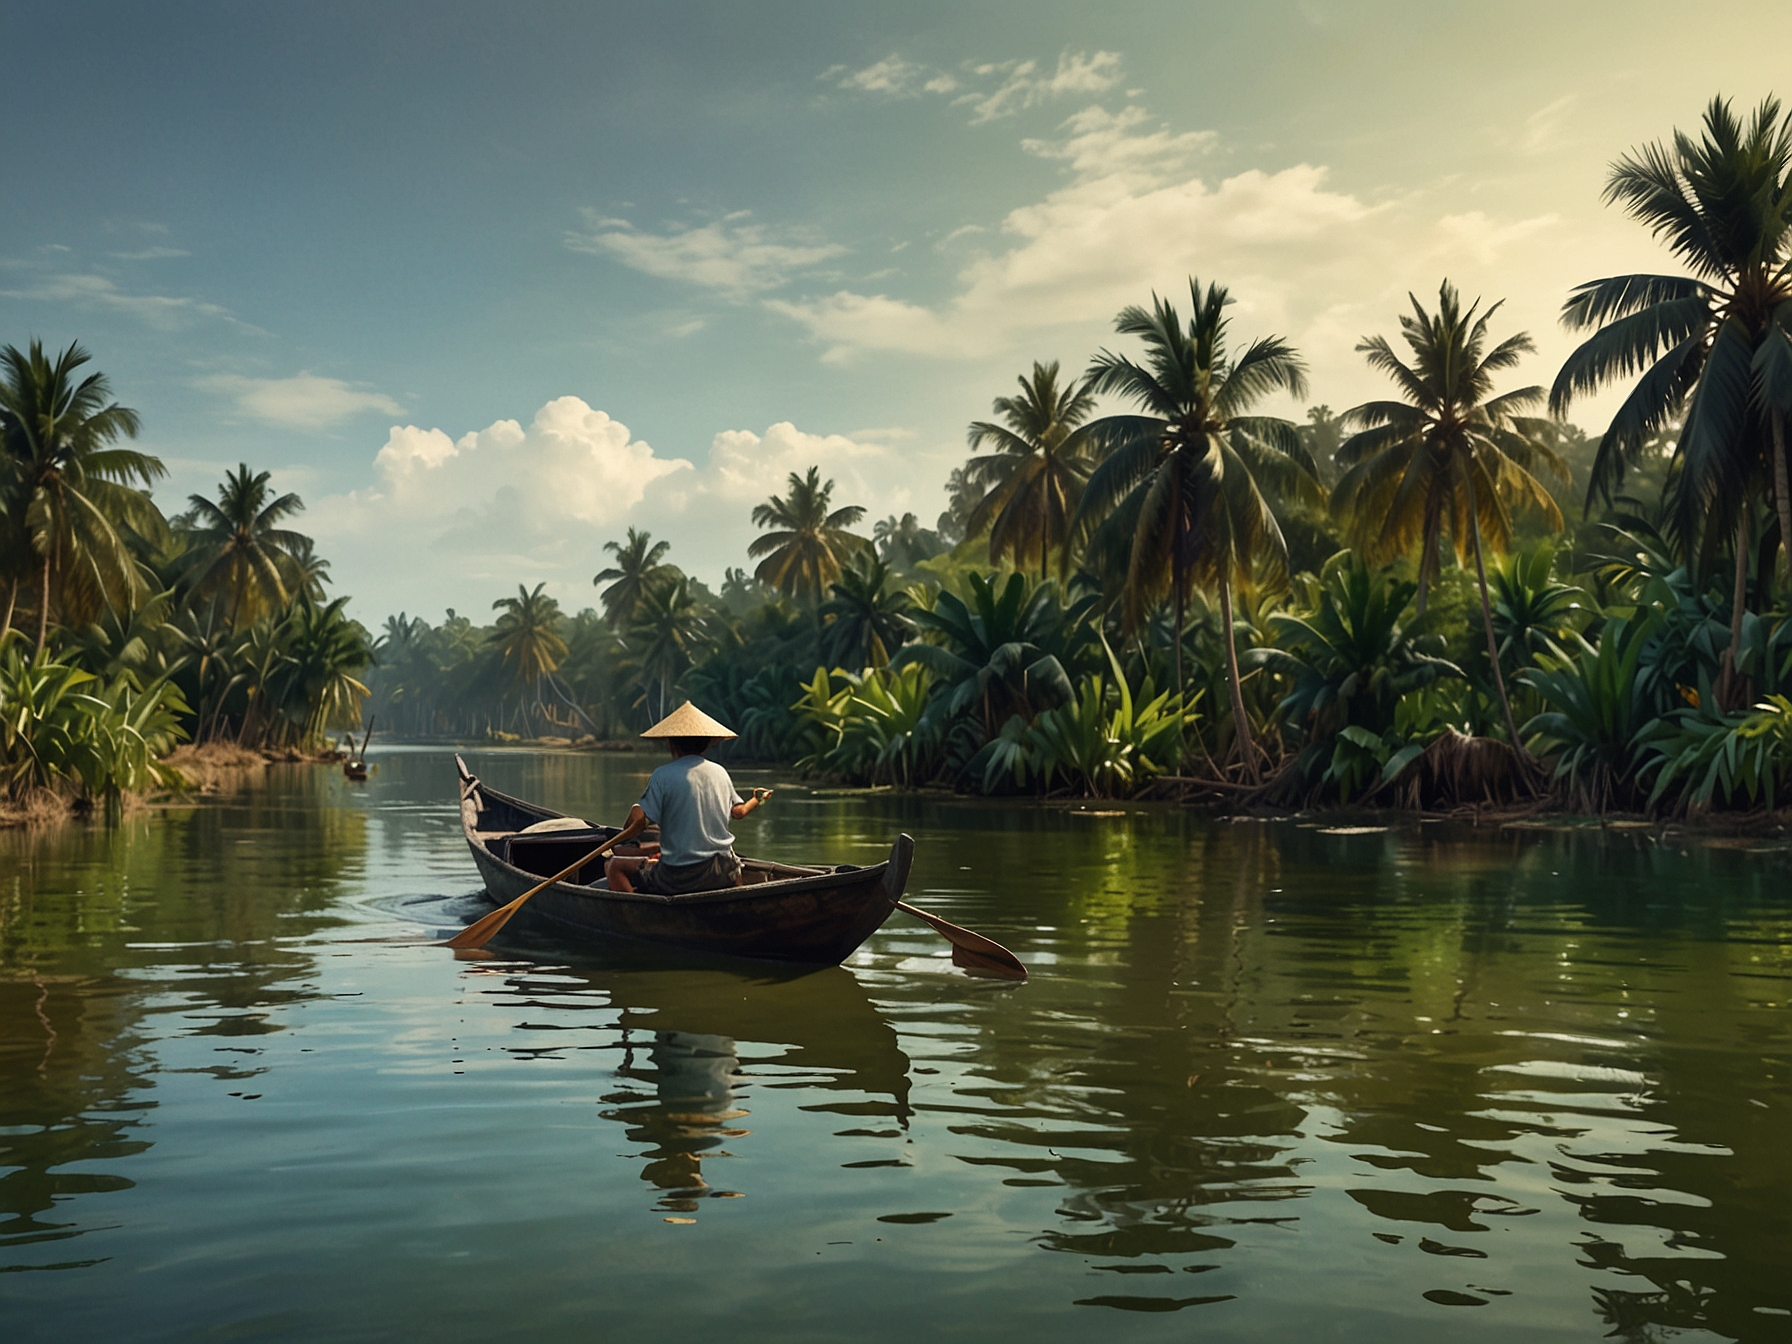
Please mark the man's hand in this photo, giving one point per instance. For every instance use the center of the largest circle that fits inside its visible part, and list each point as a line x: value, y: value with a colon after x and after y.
x: 752, y: 804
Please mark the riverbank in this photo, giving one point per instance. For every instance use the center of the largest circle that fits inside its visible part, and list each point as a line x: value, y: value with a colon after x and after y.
x: 188, y: 770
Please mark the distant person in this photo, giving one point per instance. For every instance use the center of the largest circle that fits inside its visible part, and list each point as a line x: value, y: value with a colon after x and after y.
x: 692, y: 800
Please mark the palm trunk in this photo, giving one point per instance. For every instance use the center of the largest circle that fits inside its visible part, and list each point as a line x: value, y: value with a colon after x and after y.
x: 1241, y: 726
x: 1728, y: 683
x: 1176, y: 650
x: 1782, y: 489
x: 1493, y: 647
x: 43, y: 606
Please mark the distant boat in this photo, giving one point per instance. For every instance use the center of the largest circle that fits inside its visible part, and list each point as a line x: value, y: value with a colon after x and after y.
x: 813, y: 915
x: 355, y: 765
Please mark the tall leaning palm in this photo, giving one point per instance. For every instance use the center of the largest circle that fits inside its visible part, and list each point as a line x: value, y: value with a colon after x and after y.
x: 1177, y: 491
x: 242, y: 556
x: 1715, y: 346
x: 639, y: 566
x: 1448, y: 452
x: 1034, y: 478
x: 810, y: 543
x: 66, y: 498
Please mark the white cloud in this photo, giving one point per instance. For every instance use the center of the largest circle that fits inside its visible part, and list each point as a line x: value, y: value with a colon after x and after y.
x: 1099, y: 143
x: 1542, y: 129
x: 164, y: 312
x: 1022, y: 86
x: 446, y: 520
x: 737, y: 258
x: 1302, y: 257
x: 151, y: 254
x: 997, y: 88
x: 1123, y: 227
x: 304, y: 401
x: 893, y: 76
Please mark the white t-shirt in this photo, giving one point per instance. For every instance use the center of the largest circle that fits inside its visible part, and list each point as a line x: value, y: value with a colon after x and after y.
x: 690, y: 800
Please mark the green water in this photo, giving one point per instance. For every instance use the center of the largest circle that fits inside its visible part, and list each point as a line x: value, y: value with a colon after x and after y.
x: 1266, y: 1083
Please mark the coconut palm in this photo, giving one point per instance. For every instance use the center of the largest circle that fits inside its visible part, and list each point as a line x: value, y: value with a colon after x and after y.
x: 240, y: 555
x: 637, y: 569
x: 1715, y: 346
x: 1448, y: 452
x: 528, y: 644
x: 1177, y: 491
x: 310, y: 571
x: 903, y: 543
x: 670, y: 632
x: 314, y: 682
x: 1034, y: 478
x: 962, y: 496
x: 811, y: 544
x: 67, y: 504
x: 867, y: 621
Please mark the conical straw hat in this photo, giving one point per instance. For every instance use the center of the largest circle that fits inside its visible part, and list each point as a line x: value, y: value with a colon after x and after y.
x: 688, y: 721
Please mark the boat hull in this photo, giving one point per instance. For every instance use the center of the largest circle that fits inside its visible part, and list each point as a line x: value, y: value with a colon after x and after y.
x: 806, y: 916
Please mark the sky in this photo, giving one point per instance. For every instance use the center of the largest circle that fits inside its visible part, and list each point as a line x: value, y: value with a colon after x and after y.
x: 487, y: 285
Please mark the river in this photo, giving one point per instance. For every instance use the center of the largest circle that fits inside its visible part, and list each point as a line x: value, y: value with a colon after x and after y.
x: 1270, y: 1080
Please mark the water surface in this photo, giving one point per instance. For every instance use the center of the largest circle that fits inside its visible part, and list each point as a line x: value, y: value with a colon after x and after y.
x: 1268, y: 1081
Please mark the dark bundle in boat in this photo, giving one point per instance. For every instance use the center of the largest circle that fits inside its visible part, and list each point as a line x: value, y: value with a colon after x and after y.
x: 812, y: 915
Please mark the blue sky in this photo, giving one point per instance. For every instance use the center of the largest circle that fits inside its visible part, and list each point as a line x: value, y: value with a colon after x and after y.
x: 489, y: 284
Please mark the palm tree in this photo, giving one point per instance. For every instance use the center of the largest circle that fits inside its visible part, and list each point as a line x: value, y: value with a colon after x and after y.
x: 316, y: 685
x: 811, y: 544
x: 1177, y: 489
x: 637, y: 569
x: 66, y: 502
x: 1035, y: 476
x: 904, y: 543
x: 1714, y: 346
x: 1449, y: 450
x: 239, y: 549
x: 528, y: 644
x: 670, y: 631
x: 310, y: 571
x: 866, y: 620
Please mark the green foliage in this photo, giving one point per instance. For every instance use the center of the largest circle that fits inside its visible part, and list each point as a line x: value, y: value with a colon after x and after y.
x: 1353, y: 658
x: 60, y: 725
x: 1104, y: 743
x: 1706, y: 756
x: 1000, y: 654
x: 1532, y: 611
x: 864, y: 619
x: 1599, y: 701
x: 873, y: 728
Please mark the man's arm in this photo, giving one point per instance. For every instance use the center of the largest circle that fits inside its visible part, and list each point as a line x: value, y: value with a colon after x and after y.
x: 751, y: 805
x: 636, y: 823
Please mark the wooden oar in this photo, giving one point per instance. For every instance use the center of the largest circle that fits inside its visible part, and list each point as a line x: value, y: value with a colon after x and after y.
x: 482, y: 931
x: 970, y: 950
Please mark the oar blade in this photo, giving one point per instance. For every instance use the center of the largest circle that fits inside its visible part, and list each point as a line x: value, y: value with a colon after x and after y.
x: 481, y: 931
x: 978, y: 952
x: 994, y: 967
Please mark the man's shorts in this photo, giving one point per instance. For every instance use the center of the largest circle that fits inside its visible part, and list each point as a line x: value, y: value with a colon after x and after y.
x: 715, y: 873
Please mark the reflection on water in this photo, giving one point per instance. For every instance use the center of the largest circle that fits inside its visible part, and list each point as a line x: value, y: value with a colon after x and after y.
x: 1414, y: 1084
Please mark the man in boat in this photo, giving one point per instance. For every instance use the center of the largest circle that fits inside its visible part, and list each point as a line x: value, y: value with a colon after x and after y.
x: 692, y: 800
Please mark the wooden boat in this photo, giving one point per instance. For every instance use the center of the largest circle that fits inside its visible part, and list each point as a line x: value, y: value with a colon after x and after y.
x: 814, y: 916
x: 355, y: 765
